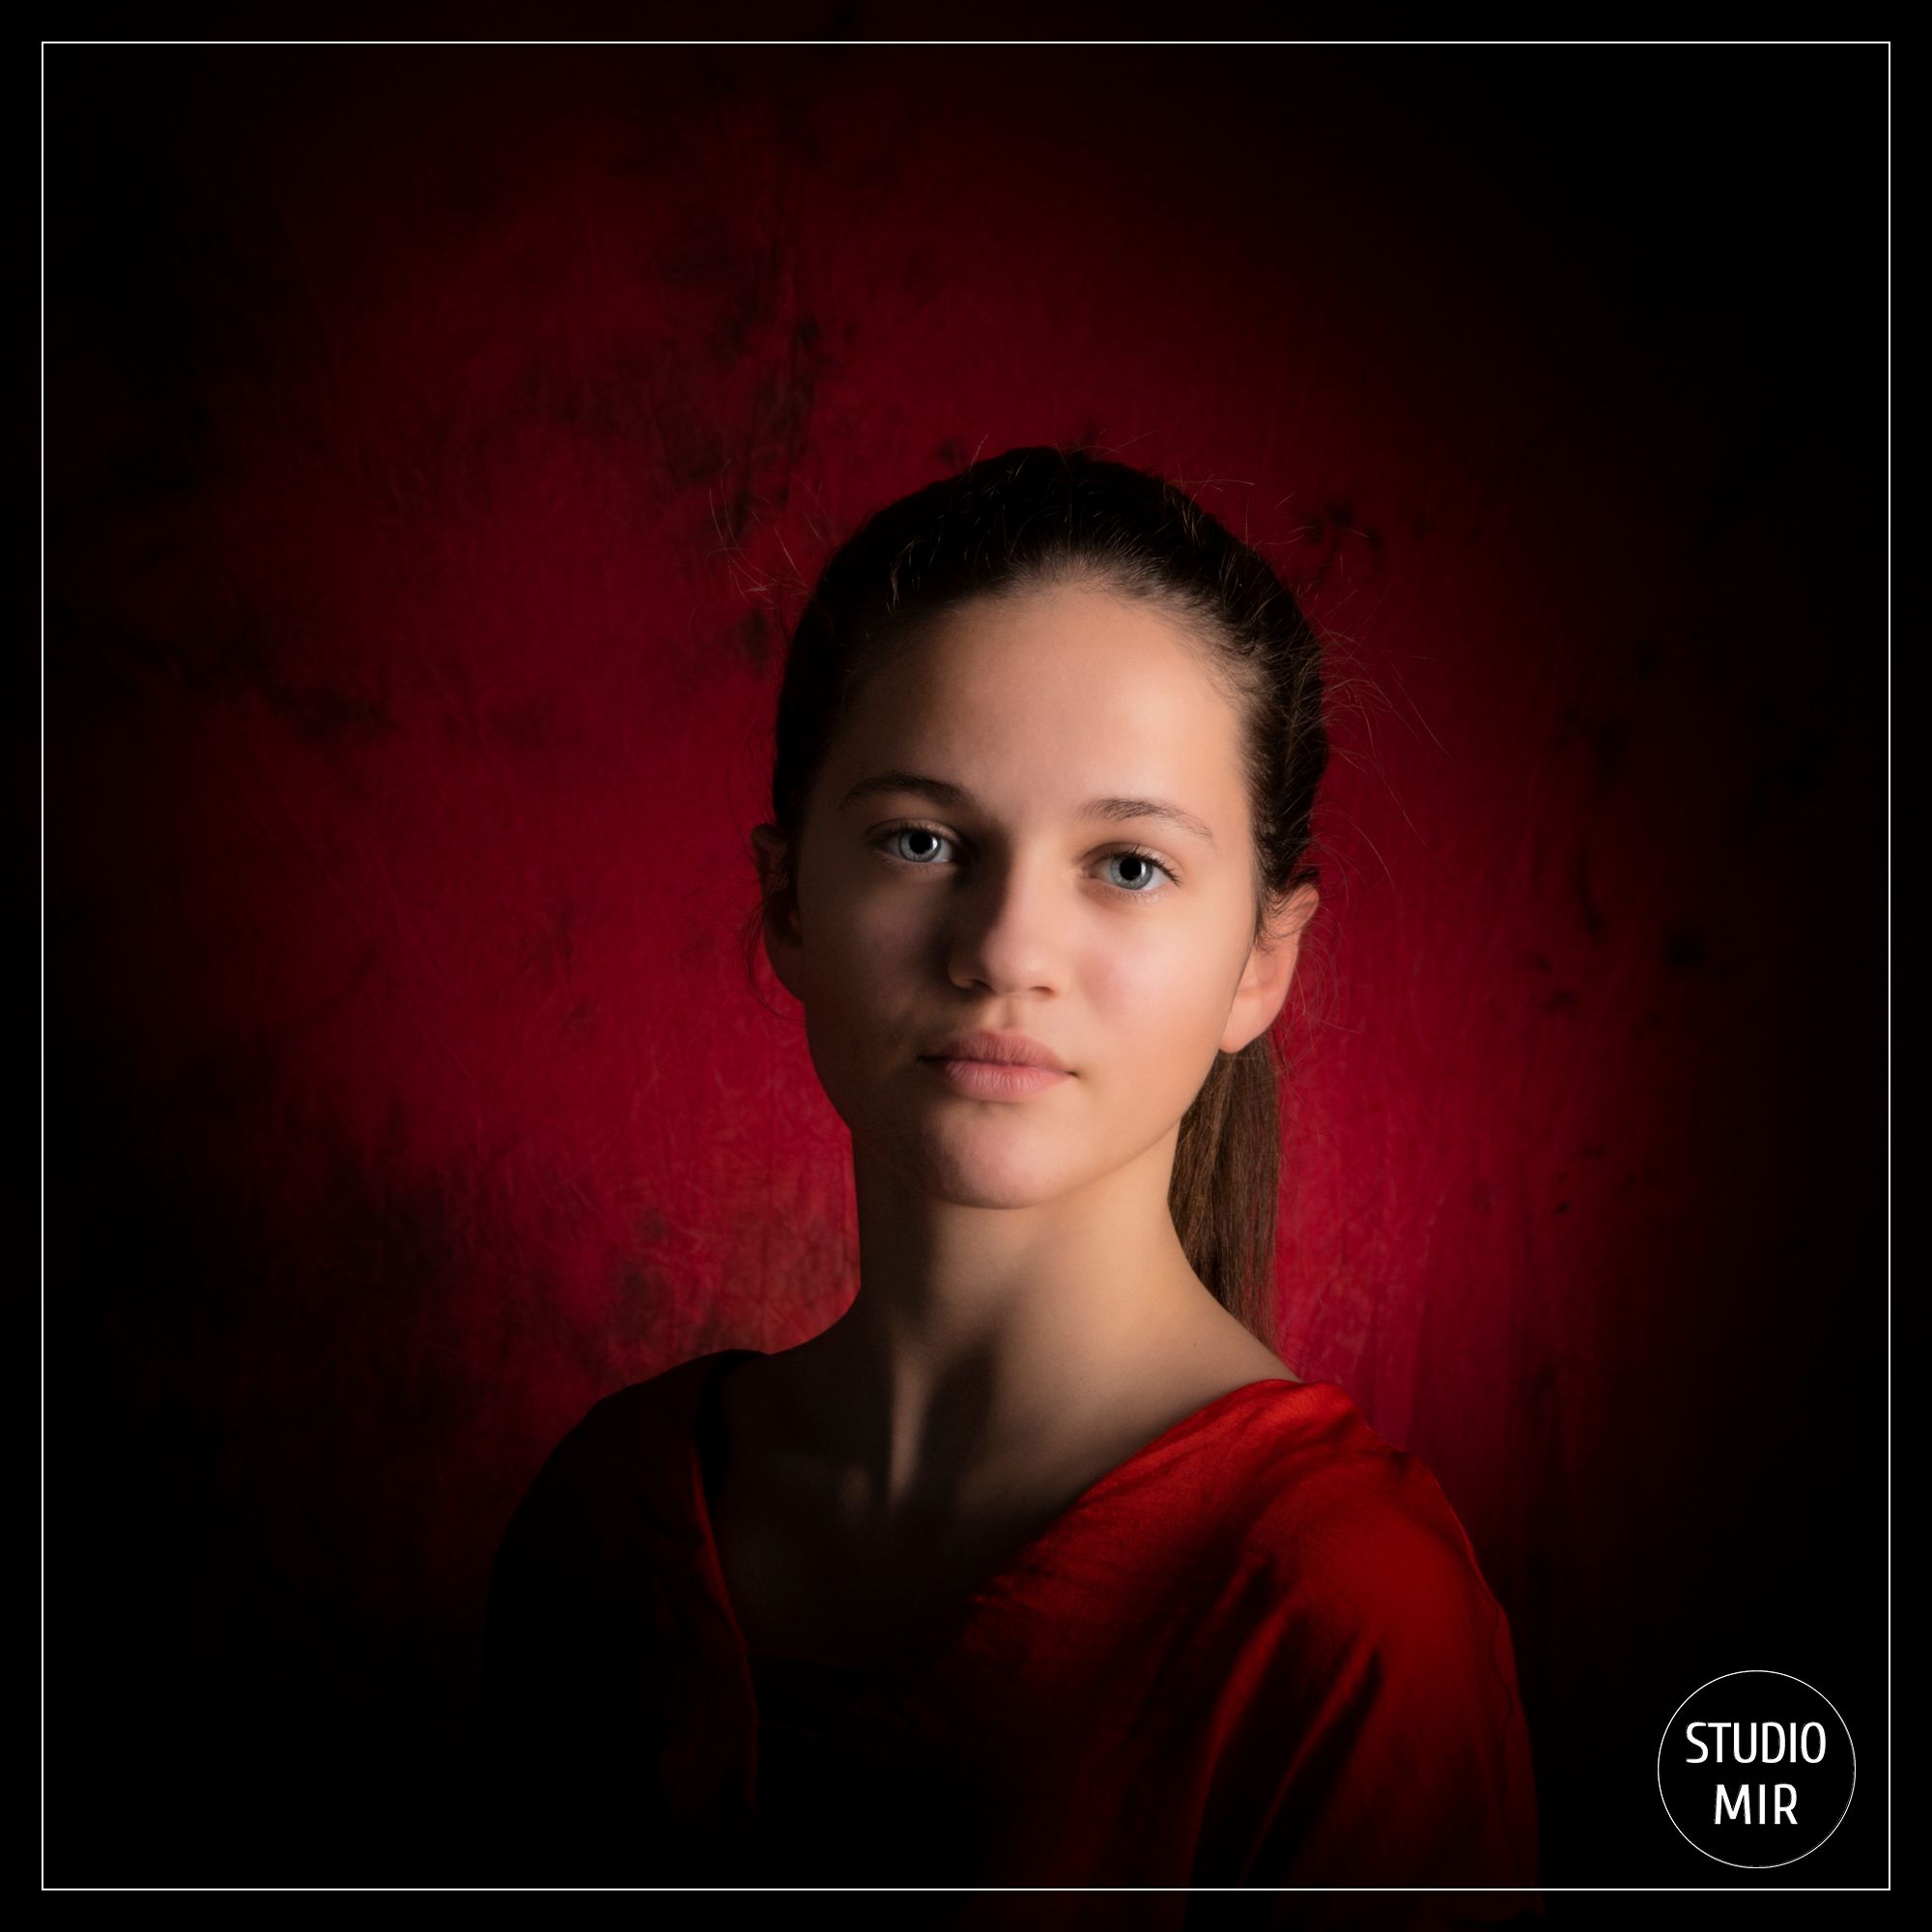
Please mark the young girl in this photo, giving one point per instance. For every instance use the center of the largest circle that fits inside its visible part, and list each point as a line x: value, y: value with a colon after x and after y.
x: 1039, y: 1566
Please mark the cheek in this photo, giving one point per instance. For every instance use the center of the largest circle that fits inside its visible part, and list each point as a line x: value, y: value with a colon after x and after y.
x: 857, y: 968
x: 862, y: 933
x: 1166, y: 991
x: 1158, y: 1012
x: 899, y: 922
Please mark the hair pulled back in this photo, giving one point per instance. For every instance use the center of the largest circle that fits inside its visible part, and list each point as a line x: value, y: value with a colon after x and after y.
x: 1042, y: 517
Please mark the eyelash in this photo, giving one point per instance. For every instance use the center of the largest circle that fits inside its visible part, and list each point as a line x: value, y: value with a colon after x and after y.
x: 884, y: 839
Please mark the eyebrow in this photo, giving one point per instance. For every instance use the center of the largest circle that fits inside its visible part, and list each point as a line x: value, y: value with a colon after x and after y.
x: 941, y: 791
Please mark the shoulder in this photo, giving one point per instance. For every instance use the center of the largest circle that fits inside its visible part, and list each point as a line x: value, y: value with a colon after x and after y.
x: 629, y: 1454
x: 1357, y: 1538
x: 661, y: 1407
x: 1377, y: 1706
x: 586, y: 1625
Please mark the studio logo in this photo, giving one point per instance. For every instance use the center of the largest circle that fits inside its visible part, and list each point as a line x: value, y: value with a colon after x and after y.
x: 1756, y: 1769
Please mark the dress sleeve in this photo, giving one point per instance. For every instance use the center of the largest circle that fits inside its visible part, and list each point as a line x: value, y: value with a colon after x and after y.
x: 1389, y: 1711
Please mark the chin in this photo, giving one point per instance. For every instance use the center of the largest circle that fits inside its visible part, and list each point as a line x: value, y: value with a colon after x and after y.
x: 986, y: 1165
x: 965, y: 1192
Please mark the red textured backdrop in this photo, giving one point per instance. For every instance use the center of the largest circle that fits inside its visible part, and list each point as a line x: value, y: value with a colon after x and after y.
x: 432, y: 436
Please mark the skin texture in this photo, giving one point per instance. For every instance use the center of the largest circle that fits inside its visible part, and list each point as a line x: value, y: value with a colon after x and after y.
x: 1027, y: 1316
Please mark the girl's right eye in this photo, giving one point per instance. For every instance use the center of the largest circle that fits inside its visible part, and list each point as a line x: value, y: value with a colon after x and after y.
x: 924, y: 839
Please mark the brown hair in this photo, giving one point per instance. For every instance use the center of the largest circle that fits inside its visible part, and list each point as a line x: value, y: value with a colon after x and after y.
x: 1037, y: 517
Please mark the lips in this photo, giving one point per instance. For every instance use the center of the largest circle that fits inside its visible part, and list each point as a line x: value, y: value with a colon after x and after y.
x: 996, y: 1048
x: 996, y: 1079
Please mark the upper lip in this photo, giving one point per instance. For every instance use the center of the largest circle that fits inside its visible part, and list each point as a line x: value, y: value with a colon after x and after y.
x: 1007, y: 1049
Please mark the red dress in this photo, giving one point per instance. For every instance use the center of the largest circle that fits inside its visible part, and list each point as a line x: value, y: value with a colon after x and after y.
x: 1258, y: 1653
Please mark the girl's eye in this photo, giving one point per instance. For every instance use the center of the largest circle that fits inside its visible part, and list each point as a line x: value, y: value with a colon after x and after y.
x: 1144, y: 865
x: 924, y: 839
x: 922, y: 845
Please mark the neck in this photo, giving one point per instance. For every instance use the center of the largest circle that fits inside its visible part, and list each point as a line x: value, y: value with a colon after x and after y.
x: 986, y: 1341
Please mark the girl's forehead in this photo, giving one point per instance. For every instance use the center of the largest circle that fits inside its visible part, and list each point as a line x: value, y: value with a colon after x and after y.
x: 1072, y: 617
x: 1040, y: 705
x: 1050, y: 671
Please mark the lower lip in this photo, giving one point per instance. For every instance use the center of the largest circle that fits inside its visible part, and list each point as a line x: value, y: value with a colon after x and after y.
x: 996, y: 1080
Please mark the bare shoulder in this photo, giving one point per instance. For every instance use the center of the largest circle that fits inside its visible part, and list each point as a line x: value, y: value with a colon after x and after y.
x: 1262, y: 1363
x: 1227, y: 1356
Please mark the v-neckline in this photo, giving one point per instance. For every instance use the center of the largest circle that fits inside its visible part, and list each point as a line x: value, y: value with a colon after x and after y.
x: 975, y: 1596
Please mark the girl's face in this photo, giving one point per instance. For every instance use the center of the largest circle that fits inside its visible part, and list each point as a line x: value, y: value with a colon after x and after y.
x: 959, y: 869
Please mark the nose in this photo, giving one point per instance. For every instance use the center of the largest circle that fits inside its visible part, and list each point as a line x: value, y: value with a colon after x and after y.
x: 1007, y: 925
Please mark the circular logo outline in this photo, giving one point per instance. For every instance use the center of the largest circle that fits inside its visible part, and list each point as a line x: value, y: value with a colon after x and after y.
x: 1753, y: 1671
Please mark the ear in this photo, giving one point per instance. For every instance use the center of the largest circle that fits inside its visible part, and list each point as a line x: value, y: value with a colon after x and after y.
x: 1270, y: 971
x: 785, y: 944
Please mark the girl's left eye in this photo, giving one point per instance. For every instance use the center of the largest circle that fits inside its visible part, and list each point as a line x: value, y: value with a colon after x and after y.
x: 930, y: 836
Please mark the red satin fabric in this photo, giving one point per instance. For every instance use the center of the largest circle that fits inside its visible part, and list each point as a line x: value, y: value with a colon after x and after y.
x: 1258, y: 1653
